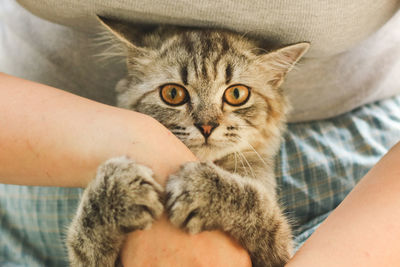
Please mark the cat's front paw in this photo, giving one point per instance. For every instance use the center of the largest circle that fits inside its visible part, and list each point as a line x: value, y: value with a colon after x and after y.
x: 127, y: 194
x: 122, y: 198
x: 193, y: 198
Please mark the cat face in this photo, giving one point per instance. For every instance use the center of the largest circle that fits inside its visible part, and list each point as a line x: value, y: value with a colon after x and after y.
x: 210, y: 88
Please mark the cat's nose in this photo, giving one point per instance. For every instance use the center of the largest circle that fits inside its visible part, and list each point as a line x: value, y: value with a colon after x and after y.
x: 206, y: 128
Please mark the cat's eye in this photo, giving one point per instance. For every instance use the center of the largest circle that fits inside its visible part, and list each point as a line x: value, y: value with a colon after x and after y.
x: 174, y: 94
x: 237, y: 95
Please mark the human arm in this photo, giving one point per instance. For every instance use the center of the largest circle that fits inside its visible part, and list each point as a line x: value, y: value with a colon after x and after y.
x: 53, y: 138
x: 364, y: 230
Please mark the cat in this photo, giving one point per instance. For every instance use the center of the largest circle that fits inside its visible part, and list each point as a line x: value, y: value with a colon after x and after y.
x: 219, y: 93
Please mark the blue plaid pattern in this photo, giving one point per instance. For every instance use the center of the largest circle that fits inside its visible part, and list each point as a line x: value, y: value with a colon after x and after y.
x: 318, y: 164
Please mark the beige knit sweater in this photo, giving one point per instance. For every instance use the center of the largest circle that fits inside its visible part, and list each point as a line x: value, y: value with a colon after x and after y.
x: 354, y: 59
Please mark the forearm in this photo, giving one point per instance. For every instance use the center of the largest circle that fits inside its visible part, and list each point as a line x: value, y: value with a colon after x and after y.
x: 364, y: 230
x: 53, y: 138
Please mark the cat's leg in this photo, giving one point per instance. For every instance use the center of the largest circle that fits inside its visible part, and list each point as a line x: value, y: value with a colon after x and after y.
x: 202, y: 196
x: 122, y: 198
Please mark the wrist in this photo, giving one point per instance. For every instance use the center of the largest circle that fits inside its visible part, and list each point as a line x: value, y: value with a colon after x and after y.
x: 144, y: 140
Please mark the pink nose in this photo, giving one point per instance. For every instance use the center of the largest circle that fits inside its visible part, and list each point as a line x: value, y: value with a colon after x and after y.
x: 206, y: 129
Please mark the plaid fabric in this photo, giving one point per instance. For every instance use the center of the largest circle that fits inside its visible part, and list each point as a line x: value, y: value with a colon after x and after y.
x: 319, y: 163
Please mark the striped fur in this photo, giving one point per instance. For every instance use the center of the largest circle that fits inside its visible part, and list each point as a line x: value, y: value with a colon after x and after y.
x: 233, y: 187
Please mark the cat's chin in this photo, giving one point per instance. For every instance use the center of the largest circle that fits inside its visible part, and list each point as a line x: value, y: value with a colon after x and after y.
x: 209, y: 152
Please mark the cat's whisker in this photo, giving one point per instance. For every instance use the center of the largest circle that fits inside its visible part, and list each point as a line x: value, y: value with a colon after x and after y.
x: 234, y: 153
x: 259, y: 156
x: 242, y: 162
x: 248, y: 164
x: 252, y: 148
x: 255, y: 151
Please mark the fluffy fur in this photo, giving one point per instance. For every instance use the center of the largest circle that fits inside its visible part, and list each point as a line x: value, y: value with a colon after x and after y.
x: 233, y: 187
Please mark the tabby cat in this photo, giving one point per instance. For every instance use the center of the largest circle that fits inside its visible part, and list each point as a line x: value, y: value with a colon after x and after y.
x: 219, y: 94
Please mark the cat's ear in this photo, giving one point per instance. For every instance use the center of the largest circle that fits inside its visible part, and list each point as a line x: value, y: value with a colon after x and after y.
x: 281, y: 61
x: 124, y: 32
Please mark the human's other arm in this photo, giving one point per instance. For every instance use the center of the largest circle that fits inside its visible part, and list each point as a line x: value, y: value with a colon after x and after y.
x: 365, y: 229
x: 53, y: 138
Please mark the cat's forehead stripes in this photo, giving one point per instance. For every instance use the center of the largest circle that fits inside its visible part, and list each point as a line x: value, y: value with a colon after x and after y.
x: 228, y: 73
x: 187, y: 42
x: 204, y: 55
x: 184, y: 74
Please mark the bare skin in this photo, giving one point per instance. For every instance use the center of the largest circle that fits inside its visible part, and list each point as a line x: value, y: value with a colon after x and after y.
x: 59, y: 139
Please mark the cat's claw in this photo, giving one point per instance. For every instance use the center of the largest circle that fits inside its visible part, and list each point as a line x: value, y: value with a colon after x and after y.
x: 190, y: 194
x: 130, y: 194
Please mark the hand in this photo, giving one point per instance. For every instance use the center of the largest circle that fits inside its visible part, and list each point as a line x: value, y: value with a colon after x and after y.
x: 166, y: 246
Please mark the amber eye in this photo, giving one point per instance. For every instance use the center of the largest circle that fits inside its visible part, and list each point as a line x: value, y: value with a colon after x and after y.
x: 237, y: 95
x: 173, y: 94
